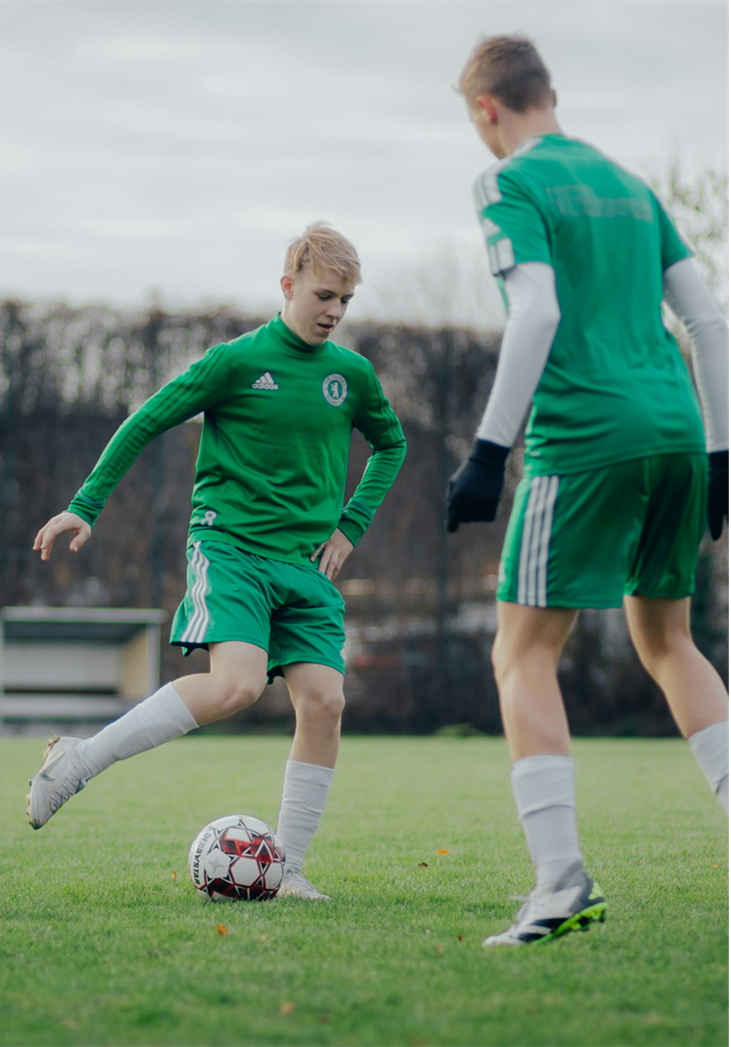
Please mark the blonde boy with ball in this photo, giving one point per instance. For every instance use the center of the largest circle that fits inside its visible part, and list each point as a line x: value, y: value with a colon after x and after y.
x: 268, y: 535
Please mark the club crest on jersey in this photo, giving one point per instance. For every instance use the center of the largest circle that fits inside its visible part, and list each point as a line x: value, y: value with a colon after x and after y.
x: 335, y: 389
x: 264, y: 381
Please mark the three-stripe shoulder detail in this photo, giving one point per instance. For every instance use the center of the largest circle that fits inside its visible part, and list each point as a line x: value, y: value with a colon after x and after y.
x: 486, y: 188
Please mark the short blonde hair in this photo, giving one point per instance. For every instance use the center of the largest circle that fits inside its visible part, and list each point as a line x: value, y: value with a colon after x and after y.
x: 510, y: 69
x: 320, y: 247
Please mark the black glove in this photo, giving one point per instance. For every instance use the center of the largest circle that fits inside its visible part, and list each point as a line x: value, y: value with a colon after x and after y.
x: 474, y: 490
x: 717, y: 492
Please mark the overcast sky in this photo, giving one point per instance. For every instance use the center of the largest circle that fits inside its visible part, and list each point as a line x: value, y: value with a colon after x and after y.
x: 178, y: 146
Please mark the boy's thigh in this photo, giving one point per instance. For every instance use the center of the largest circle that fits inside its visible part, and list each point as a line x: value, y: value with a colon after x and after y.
x: 664, y: 563
x: 571, y: 539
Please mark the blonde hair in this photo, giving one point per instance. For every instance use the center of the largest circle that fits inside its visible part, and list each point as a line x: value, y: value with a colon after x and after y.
x: 320, y: 247
x: 510, y: 69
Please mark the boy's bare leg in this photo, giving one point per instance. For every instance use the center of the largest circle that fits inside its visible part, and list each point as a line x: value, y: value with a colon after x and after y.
x: 660, y: 631
x: 317, y: 696
x: 525, y: 658
x: 236, y: 679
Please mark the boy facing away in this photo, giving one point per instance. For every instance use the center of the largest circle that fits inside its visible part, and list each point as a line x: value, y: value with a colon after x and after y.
x: 268, y: 536
x: 613, y: 501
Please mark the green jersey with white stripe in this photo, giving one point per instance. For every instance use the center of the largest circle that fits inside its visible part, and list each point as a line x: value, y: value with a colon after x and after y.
x: 615, y: 386
x: 278, y: 417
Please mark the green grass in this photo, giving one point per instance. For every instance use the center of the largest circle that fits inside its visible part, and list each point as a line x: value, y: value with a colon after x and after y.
x: 100, y: 945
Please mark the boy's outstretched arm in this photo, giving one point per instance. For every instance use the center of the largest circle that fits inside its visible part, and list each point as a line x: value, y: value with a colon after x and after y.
x: 197, y: 389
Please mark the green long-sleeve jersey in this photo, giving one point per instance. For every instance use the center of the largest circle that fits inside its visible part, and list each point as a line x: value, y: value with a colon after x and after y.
x: 277, y: 419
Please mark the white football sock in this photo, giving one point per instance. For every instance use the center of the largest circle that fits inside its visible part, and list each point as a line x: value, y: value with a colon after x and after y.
x: 710, y: 748
x: 160, y: 718
x: 543, y: 787
x: 304, y: 796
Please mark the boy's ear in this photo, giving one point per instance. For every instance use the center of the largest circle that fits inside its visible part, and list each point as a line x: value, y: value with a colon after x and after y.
x: 485, y: 105
x: 286, y: 283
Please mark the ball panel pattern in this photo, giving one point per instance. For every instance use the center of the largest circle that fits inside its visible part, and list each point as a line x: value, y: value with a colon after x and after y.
x: 237, y: 858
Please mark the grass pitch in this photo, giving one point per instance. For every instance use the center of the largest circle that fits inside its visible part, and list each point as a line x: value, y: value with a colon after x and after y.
x: 102, y: 943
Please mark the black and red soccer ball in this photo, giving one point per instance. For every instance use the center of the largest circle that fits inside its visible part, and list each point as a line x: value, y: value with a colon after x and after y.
x: 237, y: 858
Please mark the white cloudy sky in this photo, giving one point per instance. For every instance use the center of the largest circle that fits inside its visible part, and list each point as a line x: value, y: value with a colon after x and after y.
x: 177, y: 146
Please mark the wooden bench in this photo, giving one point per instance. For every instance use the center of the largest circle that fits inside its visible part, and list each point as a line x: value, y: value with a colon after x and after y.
x: 80, y: 665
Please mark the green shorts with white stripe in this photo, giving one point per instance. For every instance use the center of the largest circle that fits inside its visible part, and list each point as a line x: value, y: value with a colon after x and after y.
x: 588, y: 539
x: 292, y: 611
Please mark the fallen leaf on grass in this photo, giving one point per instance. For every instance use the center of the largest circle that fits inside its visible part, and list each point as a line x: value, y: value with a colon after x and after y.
x: 460, y: 937
x: 714, y: 866
x: 427, y: 930
x: 652, y: 1019
x: 440, y: 949
x: 262, y: 937
x: 287, y: 1007
x: 424, y: 864
x: 221, y: 928
x: 442, y: 850
x: 324, y: 1019
x: 175, y: 874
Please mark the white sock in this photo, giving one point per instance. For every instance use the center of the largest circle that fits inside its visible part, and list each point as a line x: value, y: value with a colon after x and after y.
x: 543, y: 787
x: 304, y: 796
x: 160, y: 718
x: 710, y: 748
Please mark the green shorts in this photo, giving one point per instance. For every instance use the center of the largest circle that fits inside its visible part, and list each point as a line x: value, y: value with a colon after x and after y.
x: 587, y: 539
x: 293, y: 612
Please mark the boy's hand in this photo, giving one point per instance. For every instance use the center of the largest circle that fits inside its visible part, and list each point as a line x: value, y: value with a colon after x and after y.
x: 57, y: 525
x: 335, y: 551
x: 474, y: 491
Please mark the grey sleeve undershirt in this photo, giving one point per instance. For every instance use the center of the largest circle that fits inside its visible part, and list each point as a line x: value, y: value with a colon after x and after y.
x: 693, y: 304
x: 533, y: 317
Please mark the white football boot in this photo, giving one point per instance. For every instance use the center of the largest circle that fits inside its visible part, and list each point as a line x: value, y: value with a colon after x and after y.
x: 295, y: 885
x: 61, y: 777
x: 572, y: 905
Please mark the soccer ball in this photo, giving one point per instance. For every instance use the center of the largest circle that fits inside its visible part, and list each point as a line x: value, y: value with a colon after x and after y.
x: 236, y: 858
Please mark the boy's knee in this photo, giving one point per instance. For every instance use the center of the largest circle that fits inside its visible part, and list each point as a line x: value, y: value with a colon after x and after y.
x: 322, y: 704
x: 506, y: 658
x: 235, y: 695
x: 656, y: 651
x: 499, y: 658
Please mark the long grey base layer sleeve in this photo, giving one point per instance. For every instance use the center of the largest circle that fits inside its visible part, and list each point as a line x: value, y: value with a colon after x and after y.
x: 693, y: 304
x: 533, y: 317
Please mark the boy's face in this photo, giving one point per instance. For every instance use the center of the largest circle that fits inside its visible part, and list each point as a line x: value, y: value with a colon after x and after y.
x: 315, y: 303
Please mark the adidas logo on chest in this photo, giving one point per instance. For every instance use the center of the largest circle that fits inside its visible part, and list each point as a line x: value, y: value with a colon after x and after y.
x: 264, y: 381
